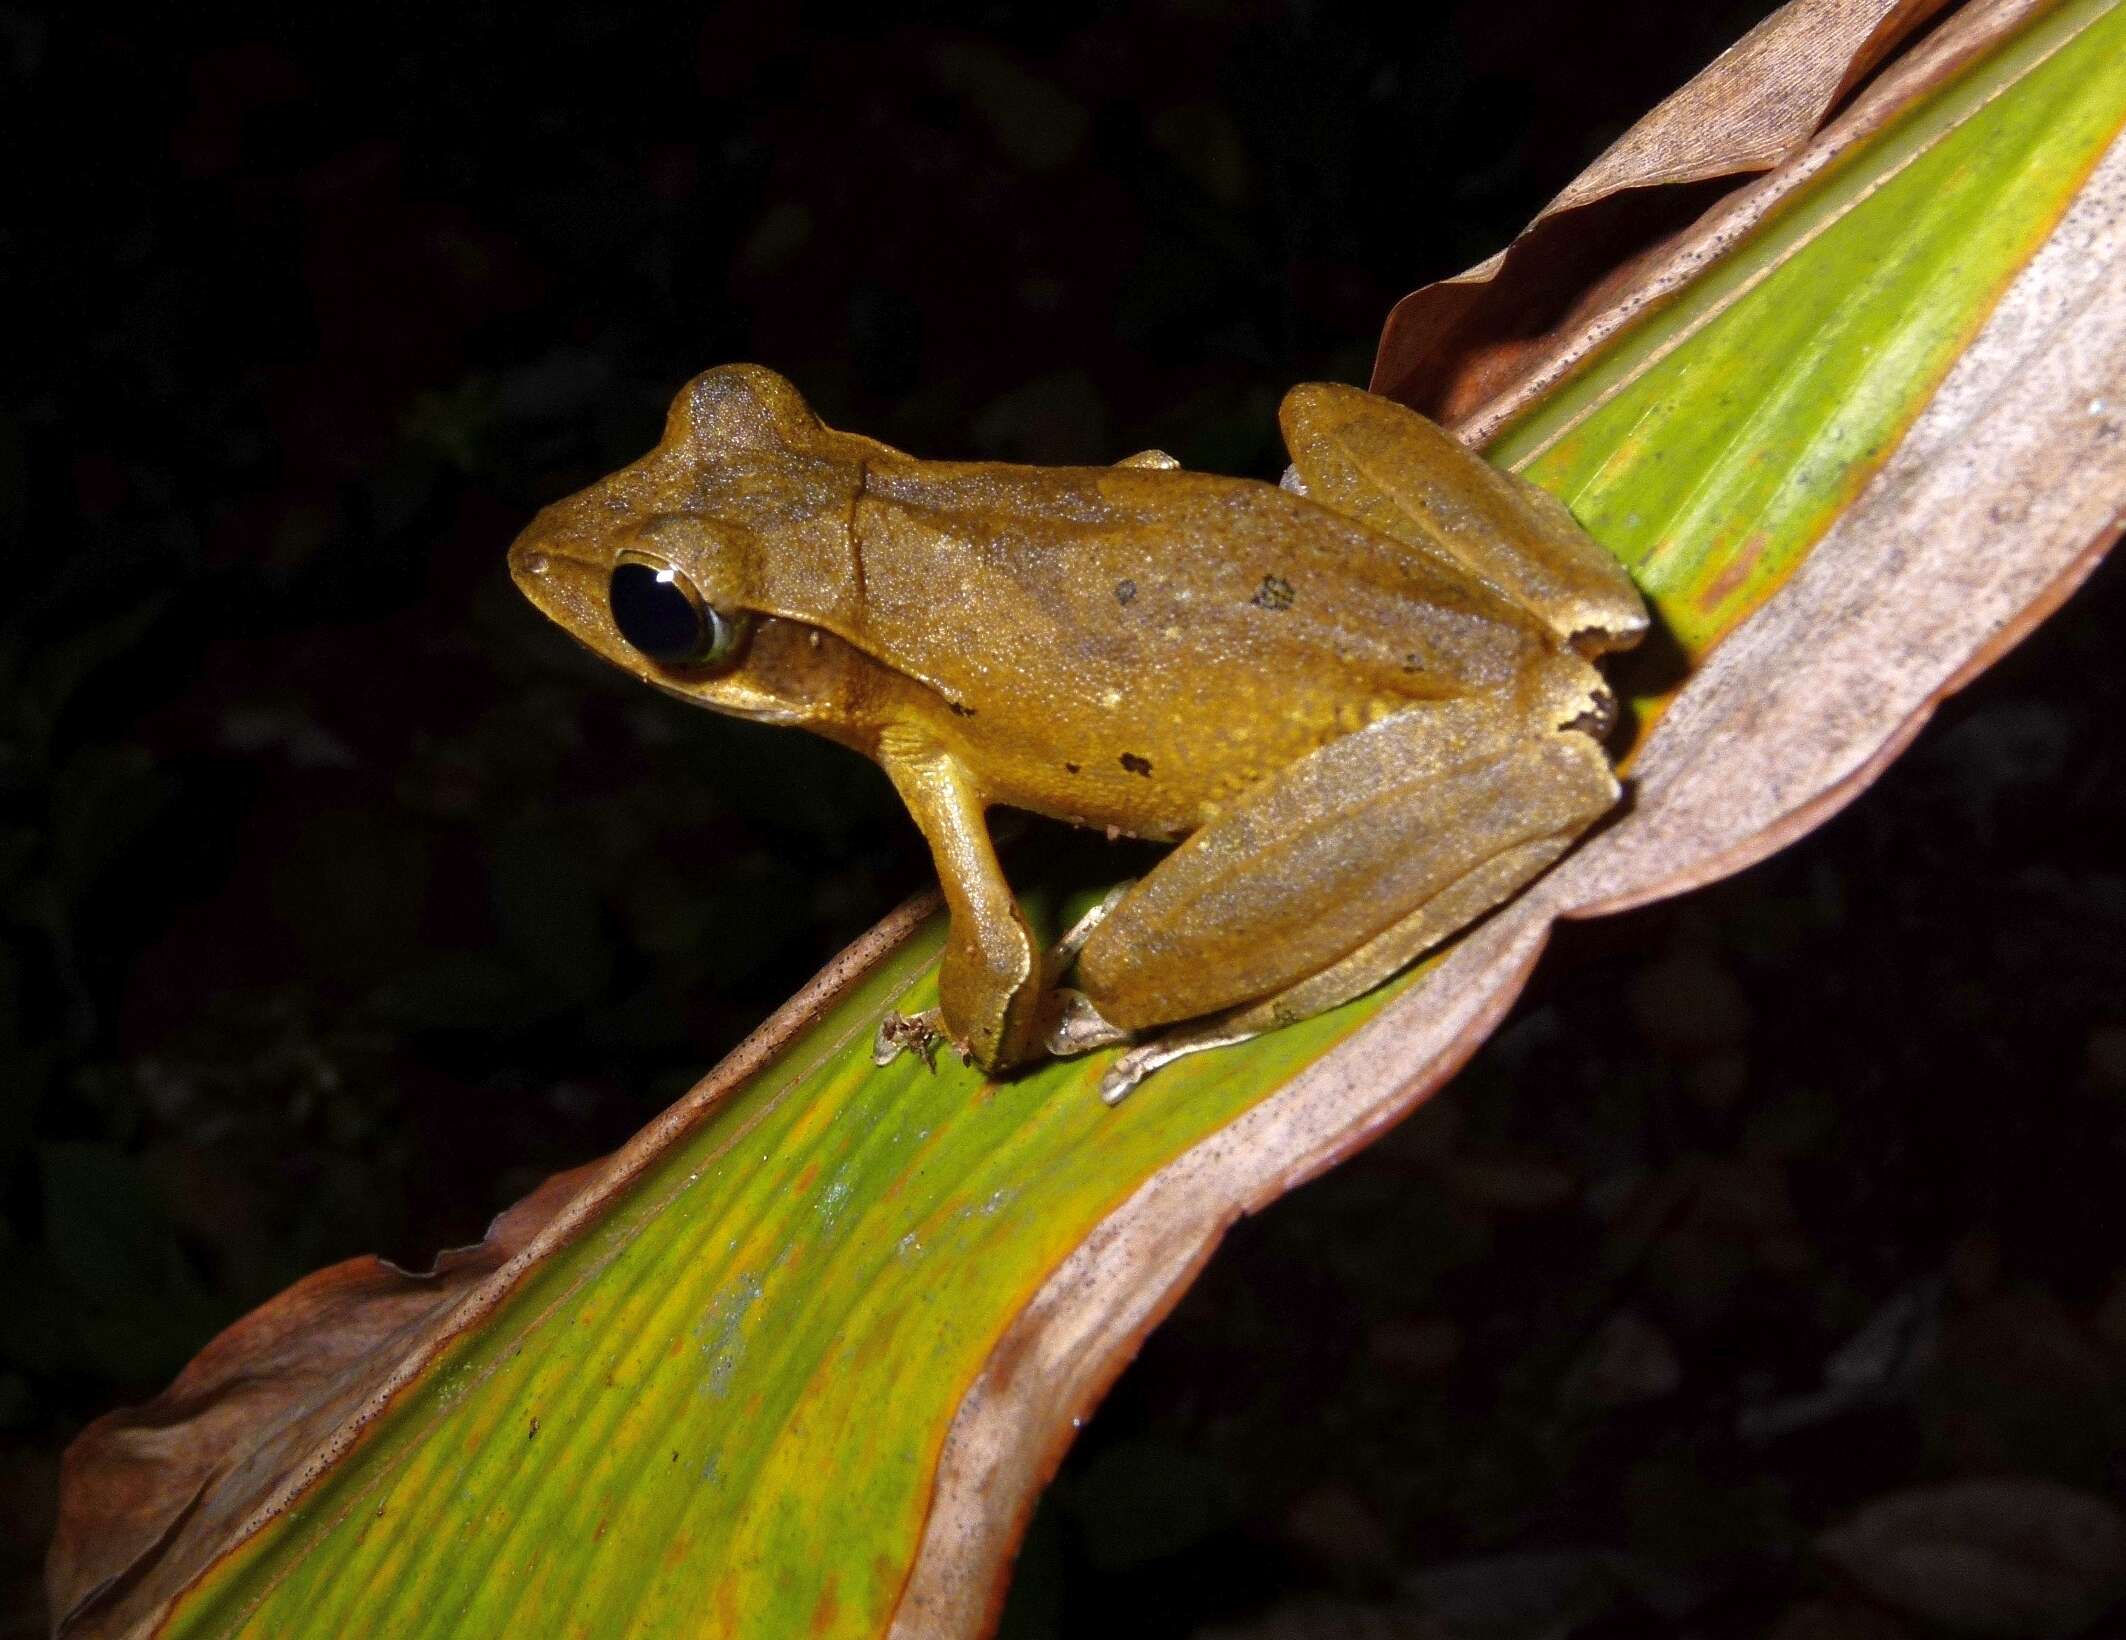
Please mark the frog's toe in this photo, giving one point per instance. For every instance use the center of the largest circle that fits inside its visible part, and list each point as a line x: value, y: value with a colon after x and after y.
x: 1125, y: 1073
x: 1134, y: 1066
x: 1079, y: 1026
x: 1219, y: 1031
x: 1120, y: 1081
x: 1065, y: 951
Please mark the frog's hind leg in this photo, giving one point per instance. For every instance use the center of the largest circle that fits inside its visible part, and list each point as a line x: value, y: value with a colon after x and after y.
x: 1075, y: 1025
x: 1325, y: 880
x: 1371, y: 459
x: 1378, y: 959
x: 1065, y: 951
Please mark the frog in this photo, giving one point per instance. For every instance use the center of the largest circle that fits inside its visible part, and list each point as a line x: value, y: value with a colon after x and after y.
x: 1361, y: 703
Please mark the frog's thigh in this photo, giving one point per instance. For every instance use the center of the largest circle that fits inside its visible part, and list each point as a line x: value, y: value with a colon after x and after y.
x: 1383, y: 955
x: 1347, y: 865
x: 1388, y: 467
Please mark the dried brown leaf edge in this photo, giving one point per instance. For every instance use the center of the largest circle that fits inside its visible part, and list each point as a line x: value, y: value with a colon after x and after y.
x: 1477, y: 337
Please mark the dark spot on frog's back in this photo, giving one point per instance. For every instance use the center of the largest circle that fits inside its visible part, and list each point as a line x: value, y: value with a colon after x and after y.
x: 1071, y: 768
x: 1125, y: 592
x: 959, y: 710
x: 1274, y: 593
x: 1135, y: 764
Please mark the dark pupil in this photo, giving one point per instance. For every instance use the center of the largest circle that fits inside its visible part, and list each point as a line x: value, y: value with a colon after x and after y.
x: 654, y: 615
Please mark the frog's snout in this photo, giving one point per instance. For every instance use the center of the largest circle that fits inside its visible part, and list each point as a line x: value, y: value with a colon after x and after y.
x: 531, y: 555
x: 559, y: 567
x: 535, y: 561
x: 566, y: 539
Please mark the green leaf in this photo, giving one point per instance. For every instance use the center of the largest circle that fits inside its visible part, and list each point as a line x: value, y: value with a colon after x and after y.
x: 746, y: 1364
x: 1713, y: 446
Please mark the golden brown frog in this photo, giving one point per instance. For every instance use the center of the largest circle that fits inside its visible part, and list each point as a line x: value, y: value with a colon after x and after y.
x: 1360, y: 702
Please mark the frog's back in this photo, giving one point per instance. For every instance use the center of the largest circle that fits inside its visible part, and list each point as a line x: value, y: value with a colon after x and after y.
x: 1125, y: 640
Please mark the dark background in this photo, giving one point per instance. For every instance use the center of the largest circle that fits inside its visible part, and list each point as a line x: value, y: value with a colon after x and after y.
x: 344, y: 900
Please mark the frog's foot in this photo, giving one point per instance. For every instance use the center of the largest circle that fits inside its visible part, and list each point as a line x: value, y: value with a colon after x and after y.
x: 908, y: 1033
x: 1133, y: 1067
x: 1078, y: 1027
x: 1075, y: 1025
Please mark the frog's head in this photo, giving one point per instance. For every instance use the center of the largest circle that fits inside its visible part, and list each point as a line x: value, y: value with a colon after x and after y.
x: 740, y: 512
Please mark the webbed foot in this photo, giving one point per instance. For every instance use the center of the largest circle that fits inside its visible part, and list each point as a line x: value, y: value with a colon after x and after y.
x: 1079, y: 1028
x: 1133, y: 1067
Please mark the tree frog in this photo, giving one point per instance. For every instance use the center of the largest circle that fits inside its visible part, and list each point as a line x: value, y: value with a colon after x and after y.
x: 1360, y: 702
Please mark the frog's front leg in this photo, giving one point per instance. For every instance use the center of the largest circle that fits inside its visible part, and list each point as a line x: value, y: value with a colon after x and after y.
x: 990, y: 985
x: 1325, y: 880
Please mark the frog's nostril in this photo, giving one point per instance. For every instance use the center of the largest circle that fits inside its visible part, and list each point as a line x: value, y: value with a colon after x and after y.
x: 535, y: 563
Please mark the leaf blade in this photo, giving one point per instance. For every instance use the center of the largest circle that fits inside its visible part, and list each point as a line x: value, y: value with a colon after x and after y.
x: 1759, y: 337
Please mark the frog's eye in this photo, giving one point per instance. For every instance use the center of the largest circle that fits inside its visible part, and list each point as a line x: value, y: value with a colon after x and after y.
x: 659, y: 613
